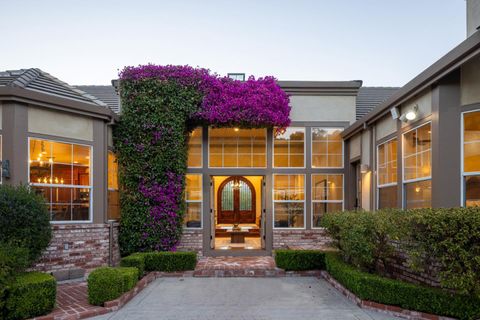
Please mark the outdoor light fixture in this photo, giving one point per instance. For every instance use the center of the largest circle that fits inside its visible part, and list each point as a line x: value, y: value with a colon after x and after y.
x: 395, y: 113
x: 410, y: 114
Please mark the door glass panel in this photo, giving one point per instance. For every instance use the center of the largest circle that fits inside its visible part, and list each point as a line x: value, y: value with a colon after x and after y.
x: 227, y: 197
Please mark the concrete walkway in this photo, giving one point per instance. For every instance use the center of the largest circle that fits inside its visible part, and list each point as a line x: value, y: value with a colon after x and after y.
x: 241, y: 299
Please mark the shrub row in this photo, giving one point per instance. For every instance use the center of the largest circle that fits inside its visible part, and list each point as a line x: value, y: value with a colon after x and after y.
x: 107, y: 283
x: 28, y: 295
x: 405, y: 295
x: 161, y: 261
x: 298, y: 260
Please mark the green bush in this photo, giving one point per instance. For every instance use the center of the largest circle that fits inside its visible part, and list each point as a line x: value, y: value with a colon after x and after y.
x: 24, y: 220
x: 170, y: 261
x: 104, y: 284
x: 364, y: 237
x: 298, y: 260
x: 129, y: 276
x: 13, y: 259
x: 397, y: 293
x: 136, y: 260
x: 29, y: 295
x: 449, y: 237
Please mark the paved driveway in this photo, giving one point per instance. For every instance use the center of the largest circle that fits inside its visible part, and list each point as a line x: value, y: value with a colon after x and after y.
x: 241, y: 299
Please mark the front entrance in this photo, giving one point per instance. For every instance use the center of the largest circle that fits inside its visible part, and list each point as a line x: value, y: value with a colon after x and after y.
x: 238, y: 213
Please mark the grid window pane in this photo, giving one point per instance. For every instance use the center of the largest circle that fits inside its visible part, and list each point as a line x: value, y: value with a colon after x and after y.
x: 471, y: 142
x: 193, y: 199
x: 60, y: 172
x: 418, y: 194
x: 387, y: 197
x: 327, y: 148
x: 327, y: 195
x: 320, y: 208
x: 289, y: 148
x: 195, y: 148
x: 387, y: 163
x: 289, y: 201
x: 417, y: 153
x: 237, y: 148
x: 472, y: 191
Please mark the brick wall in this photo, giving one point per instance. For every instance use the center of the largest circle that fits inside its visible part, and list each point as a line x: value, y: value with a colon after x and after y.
x: 79, y: 246
x: 192, y: 240
x: 300, y: 239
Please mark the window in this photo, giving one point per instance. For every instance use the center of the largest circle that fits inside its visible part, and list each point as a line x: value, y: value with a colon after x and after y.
x: 113, y: 211
x: 289, y: 148
x: 237, y: 148
x: 471, y: 158
x: 1, y: 157
x: 193, y: 199
x: 327, y: 148
x: 195, y: 148
x: 327, y: 195
x: 417, y: 167
x: 387, y: 174
x: 289, y: 200
x: 60, y: 172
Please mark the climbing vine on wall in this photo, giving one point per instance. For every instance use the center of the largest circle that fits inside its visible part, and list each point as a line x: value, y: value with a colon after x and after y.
x: 160, y: 106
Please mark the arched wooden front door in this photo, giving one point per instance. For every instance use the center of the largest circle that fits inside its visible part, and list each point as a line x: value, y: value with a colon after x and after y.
x: 236, y: 201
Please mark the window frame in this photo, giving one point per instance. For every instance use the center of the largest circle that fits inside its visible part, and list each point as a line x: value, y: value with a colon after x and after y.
x: 110, y: 151
x: 201, y: 150
x: 304, y: 201
x: 311, y: 148
x: 304, y: 149
x: 325, y: 201
x: 51, y: 185
x: 195, y: 201
x: 230, y: 168
x: 385, y: 185
x: 463, y: 174
x: 404, y: 182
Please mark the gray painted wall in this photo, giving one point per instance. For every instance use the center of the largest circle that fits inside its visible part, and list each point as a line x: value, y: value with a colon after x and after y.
x: 473, y: 16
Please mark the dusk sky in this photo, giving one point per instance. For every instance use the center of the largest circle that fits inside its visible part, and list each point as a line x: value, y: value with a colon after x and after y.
x: 382, y: 42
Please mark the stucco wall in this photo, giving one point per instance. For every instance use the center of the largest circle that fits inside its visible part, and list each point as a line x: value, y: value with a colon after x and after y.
x: 366, y: 147
x: 323, y: 108
x: 424, y: 102
x: 385, y: 126
x: 0, y: 116
x: 355, y: 146
x: 470, y: 82
x: 59, y: 124
x: 473, y: 16
x: 366, y: 190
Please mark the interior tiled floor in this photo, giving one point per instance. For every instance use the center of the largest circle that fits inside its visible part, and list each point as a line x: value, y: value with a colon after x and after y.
x: 222, y: 243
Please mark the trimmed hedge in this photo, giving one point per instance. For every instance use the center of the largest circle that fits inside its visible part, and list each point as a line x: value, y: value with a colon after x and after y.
x: 170, y: 261
x: 29, y: 295
x: 298, y: 260
x: 405, y: 295
x: 107, y: 283
x: 136, y: 260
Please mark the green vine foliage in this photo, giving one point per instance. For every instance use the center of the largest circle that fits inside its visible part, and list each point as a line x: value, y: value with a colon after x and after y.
x: 151, y: 144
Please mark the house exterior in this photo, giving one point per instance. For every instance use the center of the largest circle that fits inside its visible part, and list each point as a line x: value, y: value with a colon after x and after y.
x: 251, y: 191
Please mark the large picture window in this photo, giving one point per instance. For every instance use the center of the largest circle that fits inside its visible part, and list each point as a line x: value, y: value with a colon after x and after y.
x: 195, y: 148
x: 61, y: 173
x: 237, y: 148
x: 289, y: 148
x: 327, y: 148
x: 471, y: 158
x: 193, y: 199
x: 327, y: 196
x: 113, y: 199
x: 289, y: 200
x: 387, y: 174
x: 417, y: 167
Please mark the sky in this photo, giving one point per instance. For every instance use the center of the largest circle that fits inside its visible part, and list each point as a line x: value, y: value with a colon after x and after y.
x: 382, y: 42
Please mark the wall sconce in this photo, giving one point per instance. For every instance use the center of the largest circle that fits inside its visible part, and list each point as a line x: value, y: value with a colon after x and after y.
x: 410, y: 114
x: 364, y: 168
x: 5, y: 165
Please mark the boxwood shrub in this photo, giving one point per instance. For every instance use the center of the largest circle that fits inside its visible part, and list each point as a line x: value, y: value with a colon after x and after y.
x: 298, y: 260
x: 398, y: 293
x: 29, y: 295
x: 136, y: 260
x: 170, y: 261
x: 107, y: 283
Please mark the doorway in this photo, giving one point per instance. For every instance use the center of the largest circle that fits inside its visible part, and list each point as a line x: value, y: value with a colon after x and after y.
x: 238, y: 213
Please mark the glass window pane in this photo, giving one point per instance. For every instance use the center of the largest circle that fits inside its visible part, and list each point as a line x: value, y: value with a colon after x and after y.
x: 62, y: 174
x: 387, y: 197
x: 387, y: 163
x: 289, y: 148
x: 472, y: 191
x: 418, y: 194
x: 327, y: 148
x: 417, y: 149
x: 80, y: 212
x: 81, y: 176
x: 45, y: 192
x: 289, y: 187
x: 195, y: 148
x: 327, y: 187
x: 81, y: 155
x: 193, y: 187
x: 193, y: 214
x: 113, y: 204
x: 289, y: 214
x: 40, y: 150
x: 61, y: 153
x: 61, y: 212
x: 320, y: 208
x: 112, y: 171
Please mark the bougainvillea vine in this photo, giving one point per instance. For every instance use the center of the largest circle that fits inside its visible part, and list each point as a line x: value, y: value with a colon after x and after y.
x: 160, y: 106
